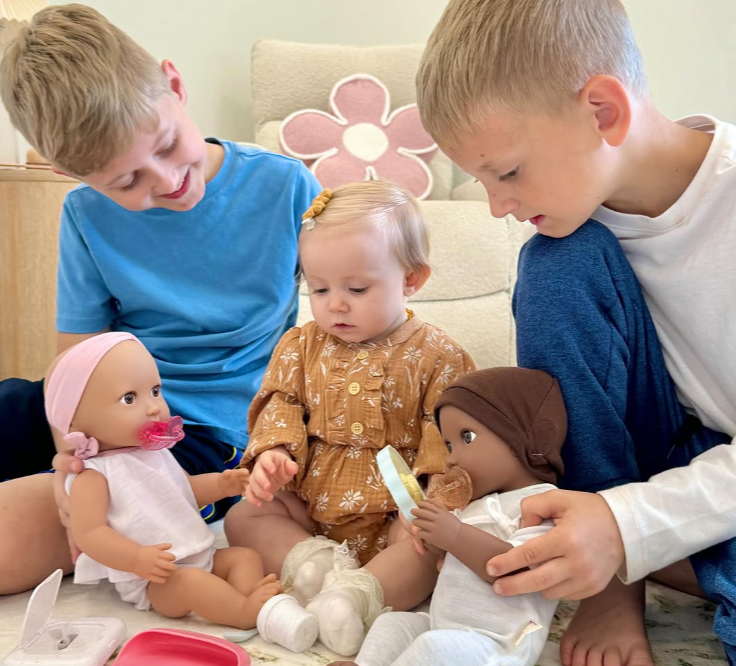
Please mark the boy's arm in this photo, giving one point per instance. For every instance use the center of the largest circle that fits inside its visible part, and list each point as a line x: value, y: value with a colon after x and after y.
x: 88, y: 516
x: 84, y: 305
x: 444, y: 530
x: 676, y: 513
x: 630, y: 530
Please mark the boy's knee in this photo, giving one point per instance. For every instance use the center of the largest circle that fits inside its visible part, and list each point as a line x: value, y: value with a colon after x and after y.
x: 569, y: 278
x: 9, y: 558
x: 556, y: 261
x: 21, y: 571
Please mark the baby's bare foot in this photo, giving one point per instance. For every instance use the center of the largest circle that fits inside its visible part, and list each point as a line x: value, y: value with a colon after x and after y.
x: 608, y: 628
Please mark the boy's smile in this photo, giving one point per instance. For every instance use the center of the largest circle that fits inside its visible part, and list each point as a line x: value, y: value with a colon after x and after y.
x: 165, y: 167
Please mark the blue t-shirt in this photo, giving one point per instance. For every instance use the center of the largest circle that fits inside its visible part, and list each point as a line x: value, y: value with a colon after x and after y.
x: 209, y: 291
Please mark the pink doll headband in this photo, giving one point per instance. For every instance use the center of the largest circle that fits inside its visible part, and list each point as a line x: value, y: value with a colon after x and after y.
x: 67, y: 382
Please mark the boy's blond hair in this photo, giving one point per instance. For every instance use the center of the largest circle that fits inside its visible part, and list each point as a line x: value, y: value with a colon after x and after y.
x: 78, y: 88
x: 380, y: 205
x: 521, y: 56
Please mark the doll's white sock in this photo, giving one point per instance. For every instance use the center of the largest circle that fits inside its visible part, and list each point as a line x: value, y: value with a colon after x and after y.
x: 348, y: 604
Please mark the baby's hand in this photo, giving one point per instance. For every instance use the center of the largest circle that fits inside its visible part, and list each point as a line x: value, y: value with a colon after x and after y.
x: 234, y: 481
x: 155, y: 563
x: 419, y: 546
x: 273, y: 470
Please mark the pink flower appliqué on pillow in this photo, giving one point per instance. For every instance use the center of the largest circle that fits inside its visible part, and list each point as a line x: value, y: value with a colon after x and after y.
x: 361, y: 139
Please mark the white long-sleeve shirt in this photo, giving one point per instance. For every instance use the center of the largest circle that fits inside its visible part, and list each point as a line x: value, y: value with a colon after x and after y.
x: 685, y: 260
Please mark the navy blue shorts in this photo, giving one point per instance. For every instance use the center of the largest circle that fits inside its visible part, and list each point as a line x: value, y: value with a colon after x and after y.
x: 26, y: 445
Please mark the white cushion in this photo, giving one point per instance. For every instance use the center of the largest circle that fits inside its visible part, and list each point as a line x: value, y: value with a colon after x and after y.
x: 288, y: 76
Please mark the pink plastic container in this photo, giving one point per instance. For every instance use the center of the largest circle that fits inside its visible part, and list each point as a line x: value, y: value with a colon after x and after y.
x: 178, y: 647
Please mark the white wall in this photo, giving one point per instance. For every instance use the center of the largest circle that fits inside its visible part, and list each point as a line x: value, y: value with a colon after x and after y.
x: 689, y: 49
x: 210, y: 42
x: 689, y: 46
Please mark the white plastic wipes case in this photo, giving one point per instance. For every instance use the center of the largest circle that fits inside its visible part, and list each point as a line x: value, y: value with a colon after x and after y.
x: 84, y: 641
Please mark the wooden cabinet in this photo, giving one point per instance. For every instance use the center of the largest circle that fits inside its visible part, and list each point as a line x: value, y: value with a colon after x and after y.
x: 30, y: 209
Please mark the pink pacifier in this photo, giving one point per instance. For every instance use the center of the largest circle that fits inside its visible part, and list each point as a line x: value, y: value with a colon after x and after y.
x: 157, y: 435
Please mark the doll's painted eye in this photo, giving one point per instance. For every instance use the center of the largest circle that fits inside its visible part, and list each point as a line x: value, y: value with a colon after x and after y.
x: 449, y: 447
x: 128, y: 398
x: 156, y: 391
x: 468, y: 436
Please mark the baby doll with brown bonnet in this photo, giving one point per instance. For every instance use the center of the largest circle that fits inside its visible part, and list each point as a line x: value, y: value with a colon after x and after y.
x: 504, y: 427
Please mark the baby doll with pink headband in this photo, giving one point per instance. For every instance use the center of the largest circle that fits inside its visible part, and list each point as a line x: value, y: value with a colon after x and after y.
x: 134, y: 511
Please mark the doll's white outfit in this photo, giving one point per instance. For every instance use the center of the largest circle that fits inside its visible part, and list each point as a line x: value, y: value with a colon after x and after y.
x: 467, y: 623
x: 151, y: 501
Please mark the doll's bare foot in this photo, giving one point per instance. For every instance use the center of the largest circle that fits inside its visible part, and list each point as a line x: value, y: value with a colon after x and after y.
x: 608, y: 628
x: 271, y: 578
x: 267, y: 588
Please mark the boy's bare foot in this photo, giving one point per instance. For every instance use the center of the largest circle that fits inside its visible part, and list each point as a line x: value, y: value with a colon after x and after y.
x: 608, y: 629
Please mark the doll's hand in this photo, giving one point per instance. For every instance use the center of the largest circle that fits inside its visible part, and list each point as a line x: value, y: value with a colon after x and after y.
x: 436, y: 525
x: 576, y: 559
x: 234, y: 481
x: 65, y: 463
x: 154, y: 563
x: 272, y: 471
x: 419, y: 546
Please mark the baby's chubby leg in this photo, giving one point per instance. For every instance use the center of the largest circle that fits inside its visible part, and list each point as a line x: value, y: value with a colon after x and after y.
x: 406, y: 577
x: 271, y: 529
x: 351, y: 600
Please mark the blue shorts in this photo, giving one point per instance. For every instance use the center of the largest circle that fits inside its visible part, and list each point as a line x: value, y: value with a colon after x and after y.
x: 26, y: 445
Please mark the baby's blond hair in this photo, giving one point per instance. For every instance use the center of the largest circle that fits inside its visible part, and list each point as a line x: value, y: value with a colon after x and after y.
x: 521, y: 56
x: 380, y: 205
x: 78, y: 88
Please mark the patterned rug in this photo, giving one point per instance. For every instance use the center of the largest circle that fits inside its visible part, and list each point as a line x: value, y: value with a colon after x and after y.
x: 679, y: 625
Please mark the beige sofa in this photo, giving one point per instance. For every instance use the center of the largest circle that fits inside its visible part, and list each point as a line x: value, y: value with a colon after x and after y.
x: 473, y: 254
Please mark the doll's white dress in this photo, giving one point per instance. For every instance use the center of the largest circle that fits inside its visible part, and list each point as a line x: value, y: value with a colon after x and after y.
x: 151, y: 502
x: 468, y: 624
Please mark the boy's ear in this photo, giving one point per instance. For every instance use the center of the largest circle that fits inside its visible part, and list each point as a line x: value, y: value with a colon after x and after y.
x: 175, y: 81
x: 609, y: 102
x: 416, y: 279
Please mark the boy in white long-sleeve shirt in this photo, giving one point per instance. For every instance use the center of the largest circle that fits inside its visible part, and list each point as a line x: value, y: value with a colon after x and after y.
x: 546, y: 104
